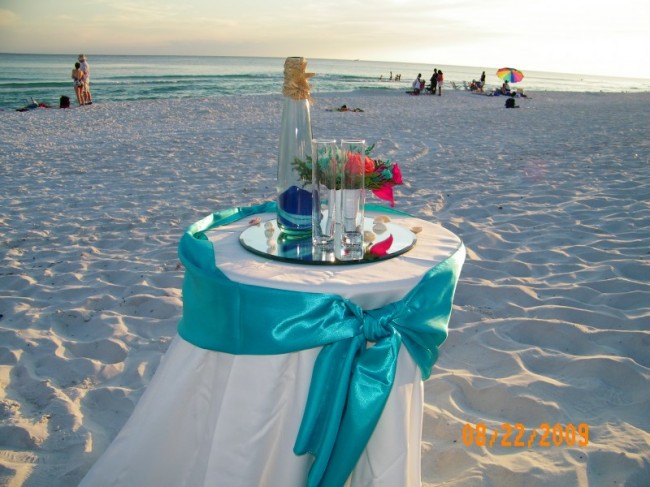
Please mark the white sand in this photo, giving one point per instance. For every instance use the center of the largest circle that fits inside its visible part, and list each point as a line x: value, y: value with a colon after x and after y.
x: 551, y: 314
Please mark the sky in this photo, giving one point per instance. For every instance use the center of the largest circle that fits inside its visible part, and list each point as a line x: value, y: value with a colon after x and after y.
x: 594, y: 37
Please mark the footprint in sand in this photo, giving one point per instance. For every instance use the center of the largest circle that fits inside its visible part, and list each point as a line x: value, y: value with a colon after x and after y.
x: 16, y: 438
x: 65, y: 372
x: 107, y: 351
x: 109, y: 406
x: 81, y: 324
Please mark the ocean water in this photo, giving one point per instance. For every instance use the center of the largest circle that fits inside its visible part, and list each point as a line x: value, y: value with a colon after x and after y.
x: 129, y: 78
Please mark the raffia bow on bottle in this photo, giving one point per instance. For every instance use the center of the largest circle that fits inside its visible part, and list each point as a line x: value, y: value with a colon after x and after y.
x: 296, y: 80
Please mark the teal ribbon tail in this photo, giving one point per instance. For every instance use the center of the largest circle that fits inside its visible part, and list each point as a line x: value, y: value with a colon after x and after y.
x: 350, y: 387
x: 372, y: 381
x: 327, y: 399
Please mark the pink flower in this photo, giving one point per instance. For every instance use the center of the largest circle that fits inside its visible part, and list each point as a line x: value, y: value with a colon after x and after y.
x: 385, y: 193
x: 380, y: 249
x: 397, y: 174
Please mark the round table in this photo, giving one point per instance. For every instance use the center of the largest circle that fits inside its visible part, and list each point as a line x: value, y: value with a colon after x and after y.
x: 218, y: 419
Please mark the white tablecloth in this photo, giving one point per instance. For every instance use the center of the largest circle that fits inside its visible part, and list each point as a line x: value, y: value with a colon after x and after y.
x: 214, y: 419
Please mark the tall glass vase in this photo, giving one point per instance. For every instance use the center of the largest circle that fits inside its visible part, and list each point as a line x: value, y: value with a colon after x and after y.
x: 294, y: 192
x: 351, y: 200
x: 324, y: 172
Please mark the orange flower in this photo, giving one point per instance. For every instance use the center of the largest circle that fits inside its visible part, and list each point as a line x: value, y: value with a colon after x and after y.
x: 353, y: 164
x: 370, y: 165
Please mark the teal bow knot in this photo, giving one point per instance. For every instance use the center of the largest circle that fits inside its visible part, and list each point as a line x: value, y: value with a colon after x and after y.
x: 378, y: 324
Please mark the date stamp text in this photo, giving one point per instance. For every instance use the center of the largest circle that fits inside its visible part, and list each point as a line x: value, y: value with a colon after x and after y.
x: 519, y: 436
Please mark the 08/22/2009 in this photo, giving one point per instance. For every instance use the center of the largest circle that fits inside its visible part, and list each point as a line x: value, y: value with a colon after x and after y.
x: 518, y: 436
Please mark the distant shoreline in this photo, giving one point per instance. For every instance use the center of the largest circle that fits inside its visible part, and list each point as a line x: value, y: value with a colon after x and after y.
x: 47, y: 77
x: 319, y: 98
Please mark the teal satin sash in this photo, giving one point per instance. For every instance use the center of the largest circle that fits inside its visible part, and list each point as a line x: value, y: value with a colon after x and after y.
x: 354, y: 372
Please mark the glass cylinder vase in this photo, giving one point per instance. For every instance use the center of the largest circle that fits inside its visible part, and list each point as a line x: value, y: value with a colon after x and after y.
x: 351, y: 200
x: 294, y: 194
x: 324, y: 172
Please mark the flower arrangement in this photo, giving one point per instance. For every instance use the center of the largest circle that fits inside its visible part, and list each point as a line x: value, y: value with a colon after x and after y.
x: 380, y: 175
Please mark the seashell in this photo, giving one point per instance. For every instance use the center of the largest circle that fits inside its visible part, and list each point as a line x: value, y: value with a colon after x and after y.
x: 255, y: 221
x: 269, y: 226
x: 381, y: 219
x: 268, y: 233
x: 416, y: 229
x: 368, y: 236
x: 379, y: 228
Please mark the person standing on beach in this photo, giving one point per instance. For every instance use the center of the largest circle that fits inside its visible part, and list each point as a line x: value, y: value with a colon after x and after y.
x: 85, y: 67
x: 434, y: 81
x: 482, y: 82
x: 78, y: 80
x: 440, y: 80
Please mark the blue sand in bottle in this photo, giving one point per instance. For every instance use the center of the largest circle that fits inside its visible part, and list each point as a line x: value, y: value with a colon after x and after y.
x: 294, y: 210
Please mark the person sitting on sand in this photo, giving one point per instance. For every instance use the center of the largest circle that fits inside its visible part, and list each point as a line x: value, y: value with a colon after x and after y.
x: 510, y: 102
x: 31, y: 105
x: 417, y: 84
x: 505, y: 88
x: 344, y: 108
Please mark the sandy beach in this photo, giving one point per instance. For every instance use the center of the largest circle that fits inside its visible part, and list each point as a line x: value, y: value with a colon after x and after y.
x: 551, y: 321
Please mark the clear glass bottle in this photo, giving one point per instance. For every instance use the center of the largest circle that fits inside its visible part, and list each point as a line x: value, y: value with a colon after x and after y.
x: 294, y: 192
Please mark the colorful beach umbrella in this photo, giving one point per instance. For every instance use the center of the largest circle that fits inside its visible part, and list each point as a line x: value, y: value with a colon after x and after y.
x: 511, y: 75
